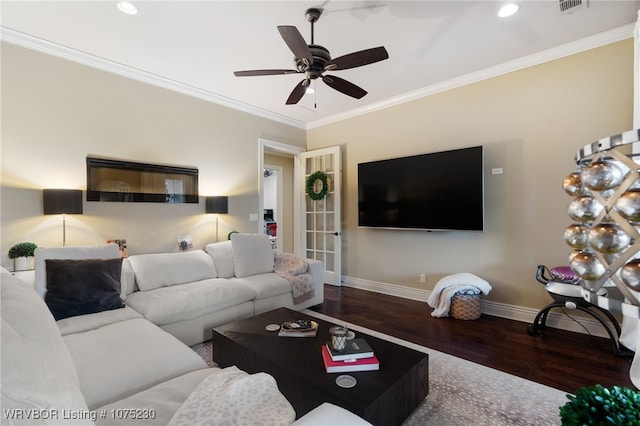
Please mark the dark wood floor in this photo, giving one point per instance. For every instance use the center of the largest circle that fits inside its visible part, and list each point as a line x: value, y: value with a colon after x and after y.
x: 561, y: 359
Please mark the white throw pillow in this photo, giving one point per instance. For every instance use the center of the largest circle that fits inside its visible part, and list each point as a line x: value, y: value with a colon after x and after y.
x: 222, y: 255
x: 167, y: 269
x: 252, y: 254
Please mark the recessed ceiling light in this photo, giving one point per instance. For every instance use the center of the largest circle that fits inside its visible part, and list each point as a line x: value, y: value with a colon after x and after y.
x: 508, y: 10
x: 127, y: 7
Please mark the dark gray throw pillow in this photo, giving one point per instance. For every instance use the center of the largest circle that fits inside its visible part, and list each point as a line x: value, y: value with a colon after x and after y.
x: 82, y: 286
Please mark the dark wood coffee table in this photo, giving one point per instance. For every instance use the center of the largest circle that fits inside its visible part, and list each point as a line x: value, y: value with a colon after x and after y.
x: 384, y: 397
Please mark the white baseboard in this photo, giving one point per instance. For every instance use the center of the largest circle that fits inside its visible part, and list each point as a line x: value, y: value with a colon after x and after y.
x: 555, y: 319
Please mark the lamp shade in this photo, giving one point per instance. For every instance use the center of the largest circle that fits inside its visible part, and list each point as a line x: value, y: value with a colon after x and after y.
x: 62, y: 201
x: 218, y: 204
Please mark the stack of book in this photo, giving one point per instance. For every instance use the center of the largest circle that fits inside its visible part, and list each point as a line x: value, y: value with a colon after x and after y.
x: 357, y: 356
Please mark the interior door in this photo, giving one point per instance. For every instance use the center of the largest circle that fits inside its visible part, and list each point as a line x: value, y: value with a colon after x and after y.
x: 321, y: 218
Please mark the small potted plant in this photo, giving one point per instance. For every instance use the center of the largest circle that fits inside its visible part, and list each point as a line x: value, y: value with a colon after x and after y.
x: 22, y: 255
x: 598, y: 405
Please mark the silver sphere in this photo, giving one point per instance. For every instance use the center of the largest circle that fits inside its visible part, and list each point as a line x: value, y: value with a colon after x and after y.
x: 587, y: 266
x: 630, y: 274
x: 584, y: 209
x: 572, y: 184
x: 608, y: 238
x: 576, y: 236
x: 628, y: 205
x: 602, y: 175
x: 573, y: 254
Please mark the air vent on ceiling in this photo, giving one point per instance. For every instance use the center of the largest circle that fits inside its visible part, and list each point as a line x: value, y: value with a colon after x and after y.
x: 570, y: 6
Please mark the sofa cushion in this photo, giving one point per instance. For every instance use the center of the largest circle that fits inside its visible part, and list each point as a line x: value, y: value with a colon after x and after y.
x: 265, y: 285
x: 89, y: 322
x: 121, y: 359
x: 106, y: 251
x: 163, y: 400
x: 187, y: 301
x: 252, y: 254
x: 222, y: 255
x: 82, y: 286
x: 34, y: 356
x: 127, y: 279
x: 167, y: 269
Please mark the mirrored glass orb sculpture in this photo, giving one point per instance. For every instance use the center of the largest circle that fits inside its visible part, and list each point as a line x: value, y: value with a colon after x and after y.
x: 601, y: 175
x: 608, y: 238
x: 573, y: 254
x: 609, y: 208
x: 584, y: 209
x: 576, y: 236
x: 587, y: 266
x: 630, y: 274
x: 572, y: 184
x: 628, y: 205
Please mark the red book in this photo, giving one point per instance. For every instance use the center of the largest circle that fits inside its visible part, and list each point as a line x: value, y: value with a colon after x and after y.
x: 362, y: 364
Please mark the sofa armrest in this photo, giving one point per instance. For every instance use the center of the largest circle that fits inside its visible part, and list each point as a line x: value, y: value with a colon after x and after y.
x: 316, y: 269
x: 329, y: 414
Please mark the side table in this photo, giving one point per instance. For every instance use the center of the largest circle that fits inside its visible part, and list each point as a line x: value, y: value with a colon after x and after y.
x: 28, y: 276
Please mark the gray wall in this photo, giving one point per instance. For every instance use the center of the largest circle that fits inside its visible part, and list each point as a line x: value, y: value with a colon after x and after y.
x: 531, y: 123
x: 56, y: 112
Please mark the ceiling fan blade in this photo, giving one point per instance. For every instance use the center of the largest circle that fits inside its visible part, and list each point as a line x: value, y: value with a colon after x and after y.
x: 344, y: 86
x: 296, y: 42
x: 298, y: 92
x: 357, y: 59
x: 250, y: 73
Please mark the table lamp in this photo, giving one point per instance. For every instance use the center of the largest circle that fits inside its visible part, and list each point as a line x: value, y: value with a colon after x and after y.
x: 64, y: 202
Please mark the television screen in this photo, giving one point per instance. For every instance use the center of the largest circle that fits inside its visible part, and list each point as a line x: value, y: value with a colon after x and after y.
x: 435, y: 191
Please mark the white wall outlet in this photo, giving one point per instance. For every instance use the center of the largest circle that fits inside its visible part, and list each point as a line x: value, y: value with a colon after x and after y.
x: 496, y: 171
x: 253, y: 217
x: 423, y: 278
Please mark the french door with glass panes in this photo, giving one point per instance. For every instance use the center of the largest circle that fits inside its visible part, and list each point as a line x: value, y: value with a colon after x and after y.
x: 321, y: 218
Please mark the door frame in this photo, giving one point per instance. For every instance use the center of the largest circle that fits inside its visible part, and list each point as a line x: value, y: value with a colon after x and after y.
x: 267, y: 145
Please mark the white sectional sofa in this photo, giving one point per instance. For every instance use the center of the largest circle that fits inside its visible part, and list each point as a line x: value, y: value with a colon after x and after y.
x: 189, y: 293
x: 116, y: 367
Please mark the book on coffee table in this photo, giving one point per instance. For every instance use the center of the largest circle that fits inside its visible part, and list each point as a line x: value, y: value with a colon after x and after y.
x: 349, y: 366
x: 354, y: 349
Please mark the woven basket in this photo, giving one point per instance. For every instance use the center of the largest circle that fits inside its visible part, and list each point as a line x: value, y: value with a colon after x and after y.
x: 465, y: 306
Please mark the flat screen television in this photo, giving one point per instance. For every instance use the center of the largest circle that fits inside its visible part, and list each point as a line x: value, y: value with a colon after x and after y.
x: 438, y: 191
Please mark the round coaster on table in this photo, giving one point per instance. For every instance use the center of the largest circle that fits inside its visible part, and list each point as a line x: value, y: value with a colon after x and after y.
x: 272, y: 327
x: 346, y: 381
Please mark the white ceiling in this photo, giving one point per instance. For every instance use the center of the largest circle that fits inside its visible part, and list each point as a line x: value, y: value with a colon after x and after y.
x: 195, y: 46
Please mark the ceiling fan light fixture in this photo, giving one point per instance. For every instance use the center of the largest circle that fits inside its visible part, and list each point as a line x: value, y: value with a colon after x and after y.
x: 508, y: 9
x: 313, y: 60
x: 127, y: 7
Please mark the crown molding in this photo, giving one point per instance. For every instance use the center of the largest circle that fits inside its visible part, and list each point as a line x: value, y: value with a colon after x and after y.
x: 564, y: 50
x: 34, y: 43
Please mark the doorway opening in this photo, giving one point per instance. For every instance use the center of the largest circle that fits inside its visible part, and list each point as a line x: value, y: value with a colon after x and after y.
x: 272, y: 202
x: 283, y: 158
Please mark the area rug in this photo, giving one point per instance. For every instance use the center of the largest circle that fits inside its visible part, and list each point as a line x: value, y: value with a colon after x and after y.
x: 463, y: 393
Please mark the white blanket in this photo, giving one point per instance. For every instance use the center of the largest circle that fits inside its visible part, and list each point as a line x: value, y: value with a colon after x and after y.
x: 233, y: 397
x: 294, y: 269
x: 447, y: 287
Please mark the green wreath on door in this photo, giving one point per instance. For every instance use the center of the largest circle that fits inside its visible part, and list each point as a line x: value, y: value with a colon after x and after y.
x: 317, y: 185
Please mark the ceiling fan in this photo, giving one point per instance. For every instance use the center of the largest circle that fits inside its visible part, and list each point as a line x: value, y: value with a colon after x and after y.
x: 313, y: 60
